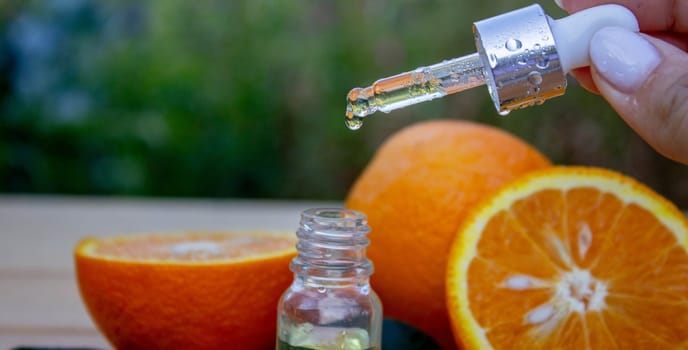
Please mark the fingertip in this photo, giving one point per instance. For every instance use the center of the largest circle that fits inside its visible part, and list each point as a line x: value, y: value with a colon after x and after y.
x: 655, y: 106
x: 584, y: 77
x: 624, y: 58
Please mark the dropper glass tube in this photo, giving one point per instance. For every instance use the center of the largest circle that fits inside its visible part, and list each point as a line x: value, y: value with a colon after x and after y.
x: 419, y: 85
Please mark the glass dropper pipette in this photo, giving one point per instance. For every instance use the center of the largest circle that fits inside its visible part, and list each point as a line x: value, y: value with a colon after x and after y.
x: 523, y: 57
x: 420, y: 85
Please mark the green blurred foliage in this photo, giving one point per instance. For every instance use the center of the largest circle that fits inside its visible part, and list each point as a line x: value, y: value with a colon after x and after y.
x: 246, y: 98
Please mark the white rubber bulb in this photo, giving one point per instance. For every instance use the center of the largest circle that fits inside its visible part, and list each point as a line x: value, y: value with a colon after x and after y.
x: 572, y: 34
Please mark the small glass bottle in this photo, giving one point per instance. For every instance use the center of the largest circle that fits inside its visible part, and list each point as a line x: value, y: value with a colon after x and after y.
x: 330, y: 304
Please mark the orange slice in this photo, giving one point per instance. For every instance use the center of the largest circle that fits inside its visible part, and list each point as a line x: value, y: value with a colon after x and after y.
x: 571, y: 258
x: 186, y: 290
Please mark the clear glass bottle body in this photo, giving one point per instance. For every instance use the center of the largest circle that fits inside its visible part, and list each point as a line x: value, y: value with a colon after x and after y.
x: 330, y: 304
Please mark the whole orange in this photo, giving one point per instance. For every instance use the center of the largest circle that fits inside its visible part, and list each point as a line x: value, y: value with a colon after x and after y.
x: 416, y: 191
x: 186, y: 291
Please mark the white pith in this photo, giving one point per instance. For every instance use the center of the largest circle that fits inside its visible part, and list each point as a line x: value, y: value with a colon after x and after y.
x: 577, y: 290
x: 207, y: 247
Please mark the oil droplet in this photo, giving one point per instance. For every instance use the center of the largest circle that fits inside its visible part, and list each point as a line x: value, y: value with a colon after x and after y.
x: 513, y: 44
x: 535, y: 78
x: 353, y: 122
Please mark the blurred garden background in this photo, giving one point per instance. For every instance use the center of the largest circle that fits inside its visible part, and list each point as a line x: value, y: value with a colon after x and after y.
x: 245, y: 99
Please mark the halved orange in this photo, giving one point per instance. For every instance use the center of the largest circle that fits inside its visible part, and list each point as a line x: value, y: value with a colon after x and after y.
x: 571, y: 258
x: 186, y: 290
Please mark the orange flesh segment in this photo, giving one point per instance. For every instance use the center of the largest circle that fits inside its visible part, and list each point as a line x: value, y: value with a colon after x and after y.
x: 586, y: 244
x: 192, y: 247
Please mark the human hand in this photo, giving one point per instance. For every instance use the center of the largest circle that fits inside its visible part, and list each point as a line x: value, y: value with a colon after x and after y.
x: 644, y: 77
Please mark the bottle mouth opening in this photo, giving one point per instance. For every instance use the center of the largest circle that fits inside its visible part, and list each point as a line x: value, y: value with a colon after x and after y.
x: 333, y: 215
x: 336, y: 226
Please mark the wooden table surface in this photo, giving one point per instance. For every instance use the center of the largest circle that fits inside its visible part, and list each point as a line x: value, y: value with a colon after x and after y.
x: 39, y: 299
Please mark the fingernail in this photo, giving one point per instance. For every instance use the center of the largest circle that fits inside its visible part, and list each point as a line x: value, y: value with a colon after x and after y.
x: 624, y: 58
x: 560, y: 4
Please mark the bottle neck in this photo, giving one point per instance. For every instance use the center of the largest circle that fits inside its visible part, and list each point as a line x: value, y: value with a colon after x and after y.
x: 331, y: 248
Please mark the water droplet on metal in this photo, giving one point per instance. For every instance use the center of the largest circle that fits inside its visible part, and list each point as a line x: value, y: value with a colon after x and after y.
x: 535, y: 78
x: 542, y: 62
x: 513, y: 44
